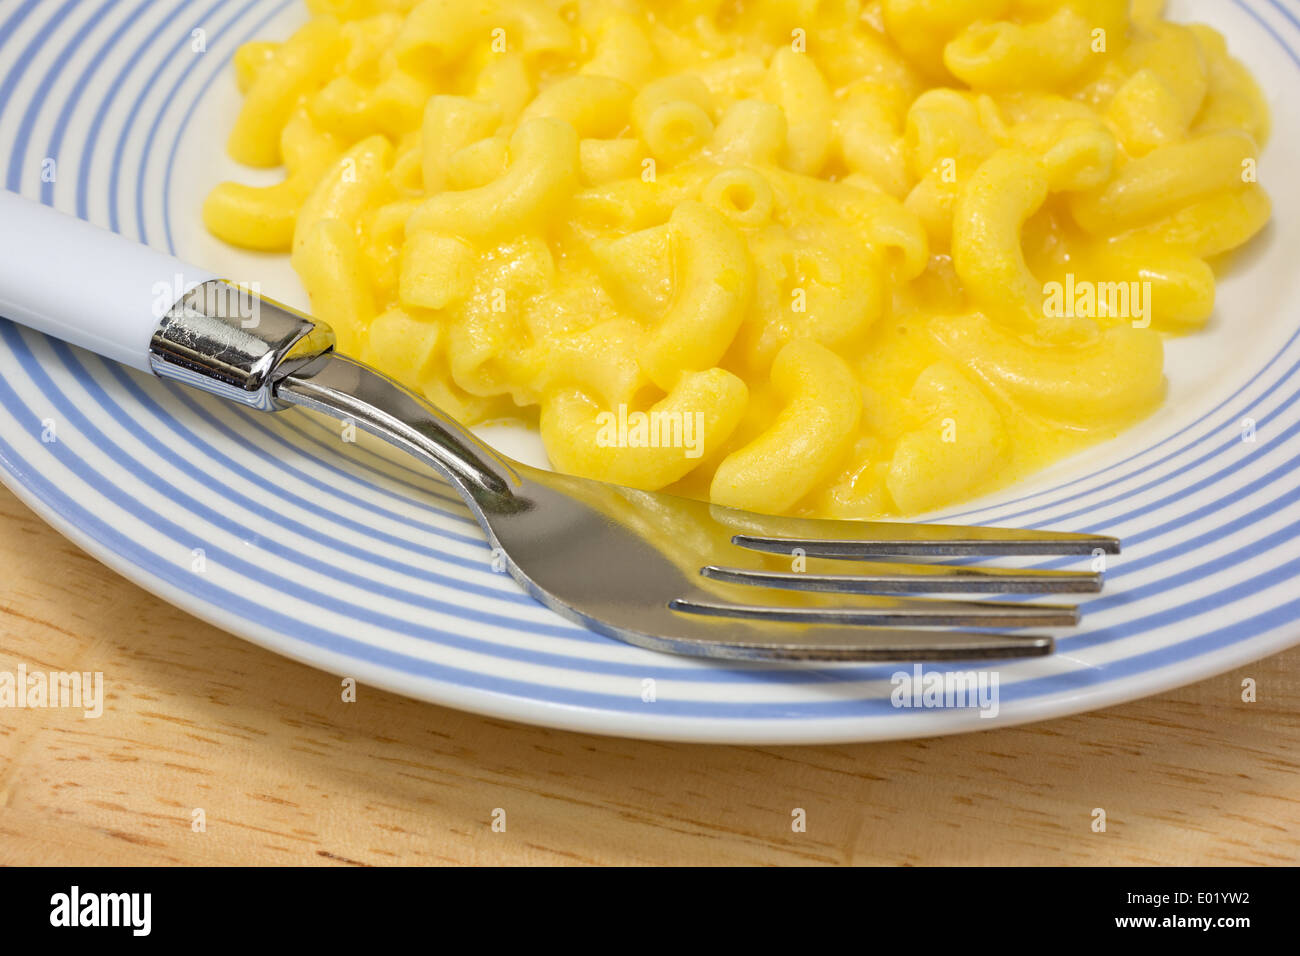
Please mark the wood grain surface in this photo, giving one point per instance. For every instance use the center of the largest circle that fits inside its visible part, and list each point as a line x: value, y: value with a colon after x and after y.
x: 285, y: 772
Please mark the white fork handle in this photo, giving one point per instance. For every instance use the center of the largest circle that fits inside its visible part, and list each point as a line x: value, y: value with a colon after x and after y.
x: 85, y: 285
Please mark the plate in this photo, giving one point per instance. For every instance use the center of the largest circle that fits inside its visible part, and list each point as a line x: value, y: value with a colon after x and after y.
x: 340, y: 555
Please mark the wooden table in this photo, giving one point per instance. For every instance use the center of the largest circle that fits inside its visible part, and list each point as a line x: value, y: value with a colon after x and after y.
x: 286, y: 773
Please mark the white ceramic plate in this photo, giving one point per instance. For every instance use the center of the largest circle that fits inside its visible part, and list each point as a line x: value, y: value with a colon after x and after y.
x: 352, y: 560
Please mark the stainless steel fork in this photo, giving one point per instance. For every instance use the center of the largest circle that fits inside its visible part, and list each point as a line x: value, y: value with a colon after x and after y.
x: 659, y: 571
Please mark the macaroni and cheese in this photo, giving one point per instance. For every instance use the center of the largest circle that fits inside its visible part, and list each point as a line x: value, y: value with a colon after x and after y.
x: 847, y: 258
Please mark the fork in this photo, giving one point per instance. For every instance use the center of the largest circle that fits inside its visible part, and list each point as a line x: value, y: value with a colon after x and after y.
x: 656, y: 570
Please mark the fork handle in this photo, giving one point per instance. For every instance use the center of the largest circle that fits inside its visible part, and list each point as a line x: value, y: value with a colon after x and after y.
x: 146, y: 309
x: 85, y: 285
x: 143, y: 308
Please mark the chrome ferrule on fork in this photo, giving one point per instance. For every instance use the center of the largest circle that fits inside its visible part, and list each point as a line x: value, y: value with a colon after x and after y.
x: 231, y: 342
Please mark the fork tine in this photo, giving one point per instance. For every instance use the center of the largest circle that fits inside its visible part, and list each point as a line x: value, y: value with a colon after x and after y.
x: 866, y: 539
x: 891, y: 612
x: 887, y: 539
x: 867, y: 645
x: 897, y: 578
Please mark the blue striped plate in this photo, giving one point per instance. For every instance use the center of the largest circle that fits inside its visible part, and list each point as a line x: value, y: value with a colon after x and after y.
x: 350, y: 559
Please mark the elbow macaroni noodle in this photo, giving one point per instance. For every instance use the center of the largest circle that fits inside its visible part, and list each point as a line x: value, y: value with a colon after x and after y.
x: 845, y: 259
